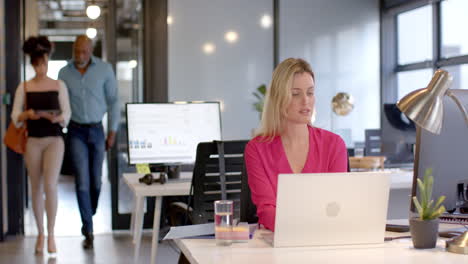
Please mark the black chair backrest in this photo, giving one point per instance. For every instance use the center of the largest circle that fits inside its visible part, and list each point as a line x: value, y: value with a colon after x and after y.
x: 207, y: 178
x: 348, y: 166
x: 248, y: 211
x: 373, y: 142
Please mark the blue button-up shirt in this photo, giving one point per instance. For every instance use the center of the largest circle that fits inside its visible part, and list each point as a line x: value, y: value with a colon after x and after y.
x: 93, y: 93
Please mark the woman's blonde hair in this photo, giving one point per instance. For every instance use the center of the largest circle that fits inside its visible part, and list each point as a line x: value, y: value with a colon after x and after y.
x: 278, y: 96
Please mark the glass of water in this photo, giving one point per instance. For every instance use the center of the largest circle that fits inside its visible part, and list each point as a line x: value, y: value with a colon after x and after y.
x: 224, y: 214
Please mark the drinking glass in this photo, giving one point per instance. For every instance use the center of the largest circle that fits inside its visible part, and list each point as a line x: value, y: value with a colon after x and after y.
x: 224, y: 213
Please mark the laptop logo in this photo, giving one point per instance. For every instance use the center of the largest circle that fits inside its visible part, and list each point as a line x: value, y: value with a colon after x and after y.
x: 333, y: 209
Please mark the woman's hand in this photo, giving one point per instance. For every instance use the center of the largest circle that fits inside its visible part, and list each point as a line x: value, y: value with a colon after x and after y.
x: 32, y: 114
x: 52, y: 117
x: 28, y: 114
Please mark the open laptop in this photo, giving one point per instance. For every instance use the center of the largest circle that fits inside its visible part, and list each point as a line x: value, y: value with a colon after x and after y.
x: 320, y: 209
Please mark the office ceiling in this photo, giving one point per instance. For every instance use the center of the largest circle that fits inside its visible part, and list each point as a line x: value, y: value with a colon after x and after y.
x: 66, y: 18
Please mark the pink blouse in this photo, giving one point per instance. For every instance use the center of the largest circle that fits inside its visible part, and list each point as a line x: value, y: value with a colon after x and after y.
x: 265, y: 160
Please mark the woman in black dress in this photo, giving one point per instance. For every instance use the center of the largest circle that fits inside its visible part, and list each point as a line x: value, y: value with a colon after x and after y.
x: 43, y: 105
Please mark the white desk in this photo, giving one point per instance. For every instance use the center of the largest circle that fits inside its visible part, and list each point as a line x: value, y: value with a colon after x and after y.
x: 399, y: 180
x: 156, y: 190
x: 205, y: 251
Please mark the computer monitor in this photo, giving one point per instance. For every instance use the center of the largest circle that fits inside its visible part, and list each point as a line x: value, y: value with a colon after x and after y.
x: 446, y: 154
x: 168, y: 133
x: 398, y: 135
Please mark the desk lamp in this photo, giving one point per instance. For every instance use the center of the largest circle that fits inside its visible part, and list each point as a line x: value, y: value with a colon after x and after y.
x: 425, y: 107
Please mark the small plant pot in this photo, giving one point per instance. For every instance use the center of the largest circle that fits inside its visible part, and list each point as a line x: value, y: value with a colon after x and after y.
x: 424, y: 233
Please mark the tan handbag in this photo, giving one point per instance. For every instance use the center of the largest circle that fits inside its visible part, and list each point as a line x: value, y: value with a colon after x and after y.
x: 16, y: 137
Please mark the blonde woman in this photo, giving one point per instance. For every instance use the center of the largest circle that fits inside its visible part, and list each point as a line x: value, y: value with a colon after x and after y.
x: 286, y: 141
x: 42, y: 103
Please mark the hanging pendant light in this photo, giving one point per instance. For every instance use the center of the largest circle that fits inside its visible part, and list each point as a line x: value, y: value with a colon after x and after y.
x: 91, y: 32
x: 93, y: 11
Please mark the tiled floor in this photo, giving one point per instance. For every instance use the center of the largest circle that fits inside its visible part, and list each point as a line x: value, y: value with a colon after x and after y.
x: 68, y: 221
x: 110, y: 246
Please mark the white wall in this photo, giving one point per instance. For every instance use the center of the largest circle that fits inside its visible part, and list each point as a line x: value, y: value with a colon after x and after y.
x: 234, y: 70
x: 340, y: 39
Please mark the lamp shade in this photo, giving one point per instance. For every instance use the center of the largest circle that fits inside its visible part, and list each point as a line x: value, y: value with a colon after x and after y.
x: 425, y: 106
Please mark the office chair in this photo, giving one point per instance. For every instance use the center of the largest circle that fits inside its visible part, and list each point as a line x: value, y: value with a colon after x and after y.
x: 248, y: 210
x: 373, y: 143
x: 217, y: 175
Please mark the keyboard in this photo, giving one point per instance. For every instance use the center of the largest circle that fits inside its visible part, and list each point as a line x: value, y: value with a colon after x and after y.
x: 454, y: 219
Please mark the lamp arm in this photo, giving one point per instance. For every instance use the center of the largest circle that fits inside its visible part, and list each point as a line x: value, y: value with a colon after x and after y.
x: 459, y: 104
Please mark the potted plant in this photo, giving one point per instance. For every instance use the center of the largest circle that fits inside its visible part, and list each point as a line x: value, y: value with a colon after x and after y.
x: 260, y: 95
x: 424, y: 229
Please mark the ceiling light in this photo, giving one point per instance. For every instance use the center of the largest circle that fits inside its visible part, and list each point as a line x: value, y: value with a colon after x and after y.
x: 266, y: 21
x: 209, y: 48
x: 91, y: 32
x: 93, y: 11
x: 132, y: 64
x: 231, y: 36
x: 169, y: 20
x: 53, y: 5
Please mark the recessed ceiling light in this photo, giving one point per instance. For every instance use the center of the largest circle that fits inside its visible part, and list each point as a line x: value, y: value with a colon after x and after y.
x: 231, y: 36
x: 266, y: 21
x: 209, y: 48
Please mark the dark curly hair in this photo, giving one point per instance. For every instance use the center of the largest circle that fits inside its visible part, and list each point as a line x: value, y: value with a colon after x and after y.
x: 37, y: 47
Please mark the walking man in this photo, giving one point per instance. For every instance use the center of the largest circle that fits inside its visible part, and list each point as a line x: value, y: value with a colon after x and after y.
x: 92, y: 87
